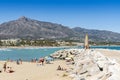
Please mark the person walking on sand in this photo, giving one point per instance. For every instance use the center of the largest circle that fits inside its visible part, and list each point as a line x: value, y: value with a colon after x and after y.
x: 5, y: 66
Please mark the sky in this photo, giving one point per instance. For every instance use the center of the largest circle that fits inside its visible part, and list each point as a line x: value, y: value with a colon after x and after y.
x: 90, y: 14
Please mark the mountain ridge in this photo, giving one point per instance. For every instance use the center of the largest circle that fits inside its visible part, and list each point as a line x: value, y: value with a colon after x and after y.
x: 26, y: 28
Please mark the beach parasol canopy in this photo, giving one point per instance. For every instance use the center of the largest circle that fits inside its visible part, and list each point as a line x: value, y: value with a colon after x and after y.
x: 49, y: 58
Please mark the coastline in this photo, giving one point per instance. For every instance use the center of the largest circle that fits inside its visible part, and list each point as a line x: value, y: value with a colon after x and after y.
x: 93, y: 47
x: 22, y: 47
x: 35, y: 71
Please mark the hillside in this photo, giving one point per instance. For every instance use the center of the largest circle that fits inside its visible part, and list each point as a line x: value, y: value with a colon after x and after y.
x: 33, y: 29
x: 27, y: 28
x: 99, y: 35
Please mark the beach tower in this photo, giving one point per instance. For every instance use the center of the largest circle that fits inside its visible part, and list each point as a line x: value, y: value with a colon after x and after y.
x: 86, y: 43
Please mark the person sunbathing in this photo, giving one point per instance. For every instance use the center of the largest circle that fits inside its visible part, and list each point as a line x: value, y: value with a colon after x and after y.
x: 60, y: 68
x: 0, y: 71
x: 10, y: 70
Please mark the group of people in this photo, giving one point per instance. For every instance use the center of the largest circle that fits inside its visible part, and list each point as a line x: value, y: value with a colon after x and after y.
x: 34, y: 60
x: 46, y: 60
x: 7, y: 68
x: 19, y: 61
x: 61, y: 68
x: 41, y: 60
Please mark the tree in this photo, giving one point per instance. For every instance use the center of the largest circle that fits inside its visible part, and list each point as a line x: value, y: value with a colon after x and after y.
x: 1, y: 43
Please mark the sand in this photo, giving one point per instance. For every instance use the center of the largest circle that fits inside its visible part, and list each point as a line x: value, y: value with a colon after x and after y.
x: 34, y: 71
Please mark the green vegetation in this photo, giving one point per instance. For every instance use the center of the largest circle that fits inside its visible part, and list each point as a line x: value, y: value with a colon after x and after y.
x: 105, y: 43
x: 24, y: 42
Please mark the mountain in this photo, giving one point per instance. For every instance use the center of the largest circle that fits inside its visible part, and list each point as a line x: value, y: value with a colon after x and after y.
x: 27, y: 28
x: 99, y: 35
x: 32, y: 29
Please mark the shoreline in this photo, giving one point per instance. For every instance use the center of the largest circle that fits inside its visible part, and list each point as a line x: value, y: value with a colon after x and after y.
x: 22, y: 47
x: 36, y: 71
x: 92, y: 47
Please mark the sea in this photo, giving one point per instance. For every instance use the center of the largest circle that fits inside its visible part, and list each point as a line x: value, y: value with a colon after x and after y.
x: 26, y: 54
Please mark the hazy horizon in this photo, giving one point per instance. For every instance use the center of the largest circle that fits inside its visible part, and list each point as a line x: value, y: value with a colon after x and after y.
x: 90, y: 14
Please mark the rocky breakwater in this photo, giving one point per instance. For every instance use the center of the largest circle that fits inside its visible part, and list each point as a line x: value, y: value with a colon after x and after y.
x: 91, y: 65
x: 65, y: 53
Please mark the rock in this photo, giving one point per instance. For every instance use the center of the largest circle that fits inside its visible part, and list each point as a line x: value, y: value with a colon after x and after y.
x: 91, y: 65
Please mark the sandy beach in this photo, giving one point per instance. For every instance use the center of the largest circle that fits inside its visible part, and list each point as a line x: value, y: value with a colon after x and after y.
x: 35, y: 71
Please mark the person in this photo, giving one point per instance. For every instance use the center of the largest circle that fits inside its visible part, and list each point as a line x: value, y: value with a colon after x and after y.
x: 59, y: 68
x: 42, y: 60
x: 36, y: 59
x: 20, y: 61
x: 17, y: 62
x: 32, y: 60
x: 10, y: 70
x: 5, y: 66
x: 0, y: 71
x: 47, y: 61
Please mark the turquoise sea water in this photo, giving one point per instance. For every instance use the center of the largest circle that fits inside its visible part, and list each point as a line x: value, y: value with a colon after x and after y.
x: 27, y: 54
x: 107, y: 47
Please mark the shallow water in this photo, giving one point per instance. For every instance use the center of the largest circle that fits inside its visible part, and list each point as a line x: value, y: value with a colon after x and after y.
x: 27, y: 54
